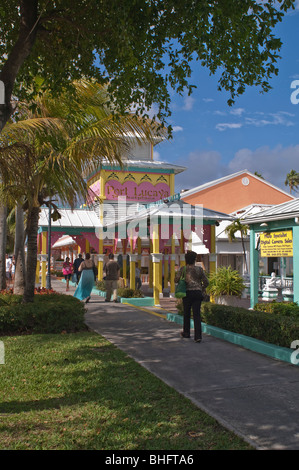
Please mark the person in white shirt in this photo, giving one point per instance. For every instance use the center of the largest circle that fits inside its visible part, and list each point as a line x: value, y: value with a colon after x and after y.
x: 8, y: 261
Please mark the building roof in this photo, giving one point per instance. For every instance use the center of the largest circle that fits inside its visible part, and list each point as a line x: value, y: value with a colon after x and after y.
x: 143, y: 165
x: 286, y: 210
x: 77, y: 218
x: 242, y: 214
x: 176, y: 210
x: 212, y: 183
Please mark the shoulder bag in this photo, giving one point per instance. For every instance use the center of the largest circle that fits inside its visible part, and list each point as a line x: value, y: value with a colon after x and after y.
x: 180, y: 290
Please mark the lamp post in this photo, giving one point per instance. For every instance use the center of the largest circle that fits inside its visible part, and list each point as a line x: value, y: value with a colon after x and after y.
x: 48, y: 278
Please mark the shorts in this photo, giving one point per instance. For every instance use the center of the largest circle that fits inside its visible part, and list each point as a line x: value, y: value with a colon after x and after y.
x: 67, y: 276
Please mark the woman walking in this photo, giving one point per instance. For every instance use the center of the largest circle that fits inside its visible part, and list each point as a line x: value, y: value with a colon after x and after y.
x: 196, y: 282
x: 86, y: 282
x: 67, y: 270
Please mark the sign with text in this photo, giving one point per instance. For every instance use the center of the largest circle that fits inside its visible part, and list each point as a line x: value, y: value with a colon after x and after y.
x: 136, y: 192
x: 277, y: 244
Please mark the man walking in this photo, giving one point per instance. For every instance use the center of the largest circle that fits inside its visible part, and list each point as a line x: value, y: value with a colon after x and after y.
x: 76, y: 265
x: 112, y: 274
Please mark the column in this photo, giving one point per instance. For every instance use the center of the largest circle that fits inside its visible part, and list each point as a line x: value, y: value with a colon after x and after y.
x: 100, y: 260
x: 156, y: 258
x: 254, y: 270
x: 212, y: 256
x: 139, y: 251
x: 133, y: 260
x: 166, y: 270
x: 44, y: 259
x: 38, y: 260
x: 172, y: 266
x: 150, y: 267
x: 124, y: 245
x: 87, y: 246
x: 296, y: 263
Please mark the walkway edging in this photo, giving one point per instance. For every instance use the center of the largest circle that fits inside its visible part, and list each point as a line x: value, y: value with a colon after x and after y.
x: 267, y: 349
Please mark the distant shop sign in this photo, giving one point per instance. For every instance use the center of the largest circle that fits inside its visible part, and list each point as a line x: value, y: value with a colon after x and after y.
x: 277, y: 244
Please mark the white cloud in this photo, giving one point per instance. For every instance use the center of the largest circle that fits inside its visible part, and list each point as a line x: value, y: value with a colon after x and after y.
x: 228, y: 125
x: 274, y: 119
x: 202, y: 166
x: 258, y: 119
x: 156, y: 155
x: 188, y: 103
x: 207, y: 100
x: 237, y: 111
x: 177, y: 128
x: 272, y: 164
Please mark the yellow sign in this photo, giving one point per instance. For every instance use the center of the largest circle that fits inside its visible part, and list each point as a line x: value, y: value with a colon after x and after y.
x: 277, y: 244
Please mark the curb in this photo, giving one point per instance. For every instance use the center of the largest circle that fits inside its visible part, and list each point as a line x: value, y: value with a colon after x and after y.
x: 256, y: 345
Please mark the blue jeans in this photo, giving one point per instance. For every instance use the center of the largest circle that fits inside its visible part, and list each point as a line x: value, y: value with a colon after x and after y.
x: 192, y: 301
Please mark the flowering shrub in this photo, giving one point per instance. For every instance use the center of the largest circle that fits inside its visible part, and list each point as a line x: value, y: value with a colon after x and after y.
x: 37, y: 290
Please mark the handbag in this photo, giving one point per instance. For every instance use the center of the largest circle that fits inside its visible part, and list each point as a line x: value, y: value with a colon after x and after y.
x: 180, y: 290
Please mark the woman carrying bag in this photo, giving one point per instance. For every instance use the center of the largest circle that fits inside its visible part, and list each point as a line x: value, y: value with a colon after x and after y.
x: 196, y: 282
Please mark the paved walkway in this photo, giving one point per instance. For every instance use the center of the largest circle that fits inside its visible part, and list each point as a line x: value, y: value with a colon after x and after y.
x: 253, y: 395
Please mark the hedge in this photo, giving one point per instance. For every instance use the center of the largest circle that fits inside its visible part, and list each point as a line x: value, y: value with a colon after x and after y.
x: 53, y: 313
x: 276, y: 329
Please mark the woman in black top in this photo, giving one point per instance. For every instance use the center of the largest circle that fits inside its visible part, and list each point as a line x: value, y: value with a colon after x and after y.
x: 196, y: 282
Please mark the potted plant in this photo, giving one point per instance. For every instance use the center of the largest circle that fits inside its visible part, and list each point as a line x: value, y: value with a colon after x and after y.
x: 225, y: 286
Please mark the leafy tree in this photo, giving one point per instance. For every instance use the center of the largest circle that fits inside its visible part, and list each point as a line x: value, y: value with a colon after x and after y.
x: 238, y: 227
x: 46, y: 153
x: 292, y: 180
x: 140, y: 47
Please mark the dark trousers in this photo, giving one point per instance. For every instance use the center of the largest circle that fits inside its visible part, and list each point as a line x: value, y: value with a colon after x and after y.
x: 192, y: 301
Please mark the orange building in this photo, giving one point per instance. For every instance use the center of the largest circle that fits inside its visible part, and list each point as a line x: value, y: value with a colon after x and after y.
x: 235, y: 191
x: 239, y: 194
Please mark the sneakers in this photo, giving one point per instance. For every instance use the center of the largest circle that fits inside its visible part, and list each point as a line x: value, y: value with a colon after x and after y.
x: 197, y: 340
x: 183, y: 335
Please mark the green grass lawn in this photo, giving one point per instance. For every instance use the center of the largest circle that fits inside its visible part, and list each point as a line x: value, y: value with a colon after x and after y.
x: 78, y: 391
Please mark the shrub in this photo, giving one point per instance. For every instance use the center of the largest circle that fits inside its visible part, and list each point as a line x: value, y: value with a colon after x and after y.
x: 276, y: 329
x: 101, y: 285
x: 128, y: 293
x: 225, y: 281
x: 52, y: 313
x: 279, y: 308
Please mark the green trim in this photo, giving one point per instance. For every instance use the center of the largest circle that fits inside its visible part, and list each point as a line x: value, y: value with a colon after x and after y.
x: 267, y: 349
x: 273, y: 225
x: 138, y: 301
x: 169, y: 171
x: 68, y: 230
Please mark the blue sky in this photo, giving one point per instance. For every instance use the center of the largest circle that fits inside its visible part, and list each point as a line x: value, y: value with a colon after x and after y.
x: 259, y: 133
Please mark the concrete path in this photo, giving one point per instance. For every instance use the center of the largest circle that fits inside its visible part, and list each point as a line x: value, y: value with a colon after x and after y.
x: 253, y: 395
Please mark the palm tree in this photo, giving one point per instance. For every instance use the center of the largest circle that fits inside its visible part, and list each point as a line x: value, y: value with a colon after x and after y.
x: 292, y: 180
x: 231, y: 231
x: 46, y: 154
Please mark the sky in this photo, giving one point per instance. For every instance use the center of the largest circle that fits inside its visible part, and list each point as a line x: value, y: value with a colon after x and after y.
x: 260, y: 133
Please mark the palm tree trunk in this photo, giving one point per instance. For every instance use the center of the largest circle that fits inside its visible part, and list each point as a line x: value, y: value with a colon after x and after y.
x: 244, y: 252
x: 3, y: 234
x: 31, y: 261
x: 19, y: 282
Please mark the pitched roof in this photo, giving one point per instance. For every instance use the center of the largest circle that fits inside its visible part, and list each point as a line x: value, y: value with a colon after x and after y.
x: 286, y: 210
x: 210, y: 184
